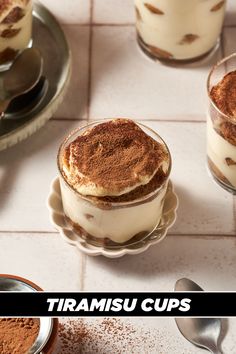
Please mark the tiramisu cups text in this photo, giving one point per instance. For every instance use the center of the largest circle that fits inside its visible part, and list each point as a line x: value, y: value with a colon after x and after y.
x: 221, y: 123
x: 113, y: 178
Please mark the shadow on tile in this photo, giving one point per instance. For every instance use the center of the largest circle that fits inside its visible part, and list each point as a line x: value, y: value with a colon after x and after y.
x: 75, y: 101
x: 160, y: 267
x: 230, y: 18
x: 197, y: 215
x: 12, y: 159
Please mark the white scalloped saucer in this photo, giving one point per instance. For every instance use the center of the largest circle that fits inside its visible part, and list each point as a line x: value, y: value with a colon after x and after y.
x: 58, y: 219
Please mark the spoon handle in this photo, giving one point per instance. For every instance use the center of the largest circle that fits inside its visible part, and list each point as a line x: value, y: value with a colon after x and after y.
x: 217, y: 351
x: 3, y: 106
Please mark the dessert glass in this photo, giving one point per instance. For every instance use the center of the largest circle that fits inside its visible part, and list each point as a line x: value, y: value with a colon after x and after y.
x: 101, y: 222
x: 15, y: 29
x: 221, y: 132
x: 179, y: 30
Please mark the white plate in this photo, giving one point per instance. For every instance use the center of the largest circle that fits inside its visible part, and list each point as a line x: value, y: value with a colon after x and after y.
x: 58, y: 219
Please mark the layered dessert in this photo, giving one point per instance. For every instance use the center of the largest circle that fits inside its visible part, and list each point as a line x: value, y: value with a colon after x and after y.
x: 15, y: 28
x: 221, y: 131
x: 179, y: 29
x: 113, y: 178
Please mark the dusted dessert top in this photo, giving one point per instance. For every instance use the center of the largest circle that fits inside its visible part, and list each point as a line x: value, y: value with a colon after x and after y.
x: 11, y: 11
x: 224, y: 94
x: 113, y: 158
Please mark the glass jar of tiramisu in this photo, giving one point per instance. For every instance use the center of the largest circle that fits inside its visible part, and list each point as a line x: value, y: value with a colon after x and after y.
x: 179, y: 30
x: 15, y: 29
x: 113, y: 177
x: 221, y: 123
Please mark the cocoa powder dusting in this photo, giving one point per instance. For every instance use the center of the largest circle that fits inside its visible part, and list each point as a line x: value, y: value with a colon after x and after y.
x: 228, y: 131
x: 224, y: 94
x: 137, y: 193
x: 17, y: 335
x: 115, y: 336
x: 114, y: 156
x: 4, y: 5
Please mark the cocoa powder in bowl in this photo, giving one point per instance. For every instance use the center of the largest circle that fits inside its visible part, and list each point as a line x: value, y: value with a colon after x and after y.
x: 17, y: 335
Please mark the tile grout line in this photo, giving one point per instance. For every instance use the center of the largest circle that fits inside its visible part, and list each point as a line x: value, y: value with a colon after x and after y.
x: 83, y: 261
x: 90, y: 59
x: 111, y: 24
x: 35, y: 232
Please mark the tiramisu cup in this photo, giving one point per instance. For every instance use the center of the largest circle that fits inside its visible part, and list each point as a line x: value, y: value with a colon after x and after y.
x: 113, y: 178
x: 15, y: 29
x: 179, y: 30
x: 221, y: 123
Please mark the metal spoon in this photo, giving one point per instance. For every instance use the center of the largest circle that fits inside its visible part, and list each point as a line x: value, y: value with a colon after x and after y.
x: 22, y: 76
x: 29, y: 101
x: 202, y: 332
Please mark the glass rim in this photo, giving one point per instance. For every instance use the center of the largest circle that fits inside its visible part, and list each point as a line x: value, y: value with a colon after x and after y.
x: 217, y: 65
x: 112, y: 204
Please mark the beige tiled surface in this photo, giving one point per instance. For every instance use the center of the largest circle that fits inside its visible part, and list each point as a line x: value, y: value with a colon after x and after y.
x: 202, y: 204
x: 69, y: 11
x: 43, y: 258
x: 112, y: 77
x: 122, y: 75
x: 118, y: 12
x: 229, y: 40
x: 149, y: 336
x: 210, y: 261
x: 77, y: 96
x: 231, y: 13
x: 26, y: 173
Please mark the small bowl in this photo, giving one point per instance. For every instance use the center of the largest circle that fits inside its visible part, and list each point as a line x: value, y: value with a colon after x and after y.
x: 48, y: 327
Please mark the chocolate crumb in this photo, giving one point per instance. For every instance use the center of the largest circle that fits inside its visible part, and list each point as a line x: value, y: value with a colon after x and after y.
x: 159, y: 52
x: 10, y: 32
x: 218, y: 6
x: 189, y: 38
x: 89, y: 216
x: 14, y: 16
x: 229, y: 161
x: 153, y: 9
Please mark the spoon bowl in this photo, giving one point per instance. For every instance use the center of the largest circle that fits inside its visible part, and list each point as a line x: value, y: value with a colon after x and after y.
x: 22, y: 76
x: 202, y: 332
x: 28, y: 102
